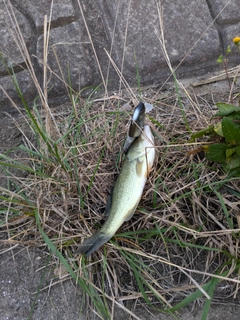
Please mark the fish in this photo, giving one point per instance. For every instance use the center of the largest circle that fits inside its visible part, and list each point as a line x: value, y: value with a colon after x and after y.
x: 128, y: 188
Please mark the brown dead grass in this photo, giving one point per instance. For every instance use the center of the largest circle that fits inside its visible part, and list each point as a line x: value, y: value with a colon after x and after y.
x: 186, y: 210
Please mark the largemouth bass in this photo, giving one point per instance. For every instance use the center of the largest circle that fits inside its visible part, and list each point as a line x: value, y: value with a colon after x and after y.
x: 127, y: 191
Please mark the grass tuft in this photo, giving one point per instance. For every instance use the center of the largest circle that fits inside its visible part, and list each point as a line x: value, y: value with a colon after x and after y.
x: 182, y: 243
x: 187, y: 216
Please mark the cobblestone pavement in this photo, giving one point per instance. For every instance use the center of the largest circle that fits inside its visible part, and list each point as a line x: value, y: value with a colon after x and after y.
x: 196, y: 33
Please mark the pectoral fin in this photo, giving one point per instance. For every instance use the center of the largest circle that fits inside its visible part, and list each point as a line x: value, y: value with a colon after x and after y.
x: 131, y: 212
x: 93, y: 243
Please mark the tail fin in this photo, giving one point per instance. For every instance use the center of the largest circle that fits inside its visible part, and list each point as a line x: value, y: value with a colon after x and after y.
x: 93, y: 243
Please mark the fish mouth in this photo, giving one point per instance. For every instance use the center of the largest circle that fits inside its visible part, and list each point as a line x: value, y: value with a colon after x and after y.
x: 137, y: 122
x: 136, y: 126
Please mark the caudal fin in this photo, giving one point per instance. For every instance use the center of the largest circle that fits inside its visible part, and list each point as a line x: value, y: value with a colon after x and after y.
x: 92, y: 243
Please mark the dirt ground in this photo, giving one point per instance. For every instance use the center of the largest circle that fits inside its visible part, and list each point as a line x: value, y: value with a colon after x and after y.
x: 29, y: 285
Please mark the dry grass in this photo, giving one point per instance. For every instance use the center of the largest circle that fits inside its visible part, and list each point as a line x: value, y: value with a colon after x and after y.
x: 184, y: 234
x: 180, y: 234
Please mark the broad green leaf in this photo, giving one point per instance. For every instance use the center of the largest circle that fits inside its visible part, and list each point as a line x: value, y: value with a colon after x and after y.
x: 238, y: 150
x: 234, y: 116
x: 230, y: 152
x: 218, y: 129
x: 231, y: 131
x: 216, y: 152
x: 225, y: 109
x: 233, y: 162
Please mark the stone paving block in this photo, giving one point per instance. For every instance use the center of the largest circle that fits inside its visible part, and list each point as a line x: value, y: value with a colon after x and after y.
x: 69, y: 51
x: 229, y: 32
x: 226, y: 11
x: 62, y: 12
x: 26, y: 85
x: 186, y: 33
x: 8, y: 48
x: 129, y: 31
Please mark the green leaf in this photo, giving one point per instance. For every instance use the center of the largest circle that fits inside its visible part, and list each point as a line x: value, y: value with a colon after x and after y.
x: 218, y: 129
x: 230, y: 152
x: 231, y: 131
x: 228, y: 50
x: 225, y: 109
x: 234, y: 173
x: 201, y: 133
x: 220, y: 59
x: 234, y: 116
x: 156, y: 122
x: 238, y: 150
x: 216, y: 152
x: 233, y: 163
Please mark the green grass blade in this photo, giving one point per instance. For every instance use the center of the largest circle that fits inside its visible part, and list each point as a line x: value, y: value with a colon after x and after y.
x: 225, y: 210
x: 208, y: 302
x: 197, y: 294
x: 90, y: 291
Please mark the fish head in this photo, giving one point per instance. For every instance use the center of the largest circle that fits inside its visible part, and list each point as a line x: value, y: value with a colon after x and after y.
x: 137, y: 122
x: 143, y: 151
x: 136, y: 126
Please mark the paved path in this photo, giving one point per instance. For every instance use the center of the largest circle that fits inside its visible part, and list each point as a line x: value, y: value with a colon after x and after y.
x: 196, y: 33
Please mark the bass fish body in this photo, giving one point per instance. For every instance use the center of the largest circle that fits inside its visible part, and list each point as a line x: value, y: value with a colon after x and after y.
x: 127, y: 191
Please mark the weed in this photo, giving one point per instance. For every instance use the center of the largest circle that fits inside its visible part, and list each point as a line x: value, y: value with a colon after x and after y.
x: 183, y: 240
